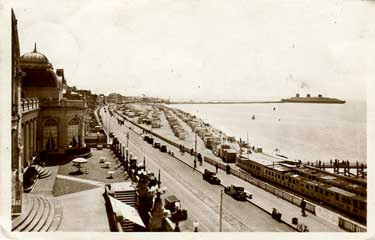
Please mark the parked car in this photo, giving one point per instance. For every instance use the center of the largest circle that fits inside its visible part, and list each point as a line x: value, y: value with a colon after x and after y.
x: 236, y: 192
x: 163, y: 148
x: 156, y: 145
x: 210, y: 177
x: 178, y: 214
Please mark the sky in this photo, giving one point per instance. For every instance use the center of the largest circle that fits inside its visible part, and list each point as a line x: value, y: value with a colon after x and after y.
x: 206, y: 49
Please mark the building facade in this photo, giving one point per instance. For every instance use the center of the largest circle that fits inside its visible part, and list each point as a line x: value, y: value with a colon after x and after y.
x: 45, y: 116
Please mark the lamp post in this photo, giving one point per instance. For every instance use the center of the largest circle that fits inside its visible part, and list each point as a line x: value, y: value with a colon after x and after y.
x: 196, y: 225
x: 195, y: 149
x: 177, y: 207
x: 127, y: 140
x: 97, y: 138
x: 221, y: 210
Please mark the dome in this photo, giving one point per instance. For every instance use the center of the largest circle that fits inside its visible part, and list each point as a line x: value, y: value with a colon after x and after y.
x: 35, y: 59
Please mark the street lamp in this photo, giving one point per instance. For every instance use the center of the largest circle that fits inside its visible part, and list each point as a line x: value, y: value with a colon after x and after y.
x: 127, y: 140
x: 177, y: 207
x: 196, y: 225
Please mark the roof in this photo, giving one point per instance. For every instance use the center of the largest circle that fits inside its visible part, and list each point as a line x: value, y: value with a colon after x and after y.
x: 127, y: 211
x: 341, y: 191
x: 171, y: 198
x: 35, y: 59
x: 328, y: 177
x: 279, y: 168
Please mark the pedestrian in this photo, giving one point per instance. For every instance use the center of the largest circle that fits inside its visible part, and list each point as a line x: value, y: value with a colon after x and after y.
x: 217, y: 167
x: 191, y: 152
x: 303, y: 206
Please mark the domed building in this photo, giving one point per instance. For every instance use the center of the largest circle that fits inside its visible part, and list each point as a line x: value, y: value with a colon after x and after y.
x: 46, y: 117
x: 60, y: 117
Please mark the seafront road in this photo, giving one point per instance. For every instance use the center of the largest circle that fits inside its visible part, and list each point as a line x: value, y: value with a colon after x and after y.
x: 198, y: 197
x: 240, y: 216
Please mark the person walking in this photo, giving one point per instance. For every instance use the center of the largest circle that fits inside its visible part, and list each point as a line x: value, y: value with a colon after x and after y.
x: 303, y: 207
x: 217, y: 167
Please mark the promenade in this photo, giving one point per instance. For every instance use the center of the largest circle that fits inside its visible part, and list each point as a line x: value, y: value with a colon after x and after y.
x: 261, y: 198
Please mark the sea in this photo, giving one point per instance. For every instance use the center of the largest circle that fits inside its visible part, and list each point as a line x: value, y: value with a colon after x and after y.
x: 301, y: 131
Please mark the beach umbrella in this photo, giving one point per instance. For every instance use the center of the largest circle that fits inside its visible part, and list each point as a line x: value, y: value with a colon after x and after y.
x: 79, y: 160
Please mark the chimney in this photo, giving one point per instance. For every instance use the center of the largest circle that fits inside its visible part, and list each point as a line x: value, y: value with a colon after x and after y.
x: 308, y: 95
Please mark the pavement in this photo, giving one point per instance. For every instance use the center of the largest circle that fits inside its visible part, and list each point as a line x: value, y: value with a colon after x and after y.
x: 261, y: 198
x: 84, y: 210
x: 198, y: 197
x: 44, y: 186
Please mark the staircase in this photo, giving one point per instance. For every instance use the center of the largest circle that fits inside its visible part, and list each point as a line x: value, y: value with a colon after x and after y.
x: 39, y: 215
x: 42, y: 172
x: 128, y: 197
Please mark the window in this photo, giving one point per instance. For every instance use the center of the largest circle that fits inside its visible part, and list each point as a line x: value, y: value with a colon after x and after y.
x: 316, y: 188
x: 50, y: 135
x: 73, y: 132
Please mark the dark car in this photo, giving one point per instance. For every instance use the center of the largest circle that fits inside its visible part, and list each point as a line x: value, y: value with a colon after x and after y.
x: 156, y: 145
x: 163, y: 148
x: 210, y: 177
x: 236, y: 192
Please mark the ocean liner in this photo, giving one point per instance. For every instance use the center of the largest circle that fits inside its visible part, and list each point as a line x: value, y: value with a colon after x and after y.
x: 310, y: 99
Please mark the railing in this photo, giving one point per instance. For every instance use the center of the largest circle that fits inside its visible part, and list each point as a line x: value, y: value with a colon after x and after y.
x: 350, y: 226
x: 265, y: 186
x: 29, y: 104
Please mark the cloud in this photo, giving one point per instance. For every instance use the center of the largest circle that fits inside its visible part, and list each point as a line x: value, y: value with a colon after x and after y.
x: 228, y: 49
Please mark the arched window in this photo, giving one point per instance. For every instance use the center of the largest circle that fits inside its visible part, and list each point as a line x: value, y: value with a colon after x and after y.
x: 73, y: 132
x: 50, y: 135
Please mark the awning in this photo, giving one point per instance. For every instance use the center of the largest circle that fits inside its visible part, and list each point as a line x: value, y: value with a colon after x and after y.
x: 126, y: 211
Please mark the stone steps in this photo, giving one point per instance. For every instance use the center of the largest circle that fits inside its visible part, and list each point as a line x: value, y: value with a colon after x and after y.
x: 49, y: 219
x: 28, y: 202
x: 40, y: 215
x: 31, y: 216
x: 43, y: 218
x: 57, y: 217
x: 42, y: 171
x: 127, y: 226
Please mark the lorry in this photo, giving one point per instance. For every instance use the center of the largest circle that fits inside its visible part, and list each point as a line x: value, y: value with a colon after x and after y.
x: 236, y: 192
x: 210, y: 177
x: 173, y: 204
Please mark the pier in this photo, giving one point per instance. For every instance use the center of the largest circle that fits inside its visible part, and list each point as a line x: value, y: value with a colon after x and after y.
x: 342, y: 167
x: 223, y: 102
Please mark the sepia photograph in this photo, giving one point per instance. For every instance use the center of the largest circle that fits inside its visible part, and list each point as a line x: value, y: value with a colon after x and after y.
x: 187, y: 119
